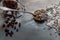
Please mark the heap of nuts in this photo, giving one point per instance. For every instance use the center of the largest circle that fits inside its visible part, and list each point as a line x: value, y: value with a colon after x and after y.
x: 40, y: 15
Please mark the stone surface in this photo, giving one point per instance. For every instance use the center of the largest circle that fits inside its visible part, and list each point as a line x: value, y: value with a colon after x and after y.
x: 30, y: 30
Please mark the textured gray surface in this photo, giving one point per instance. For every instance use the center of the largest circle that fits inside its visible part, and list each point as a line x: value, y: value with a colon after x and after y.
x: 30, y: 30
x: 32, y: 5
